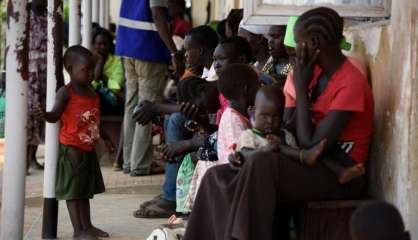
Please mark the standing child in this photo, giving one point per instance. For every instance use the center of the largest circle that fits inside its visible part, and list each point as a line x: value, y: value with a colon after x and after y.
x: 78, y: 172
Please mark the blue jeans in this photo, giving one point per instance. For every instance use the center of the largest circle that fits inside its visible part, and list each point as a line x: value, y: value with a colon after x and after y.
x: 174, y: 131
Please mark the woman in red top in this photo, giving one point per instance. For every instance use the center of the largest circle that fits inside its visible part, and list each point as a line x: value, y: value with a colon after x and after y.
x: 336, y: 105
x: 78, y: 172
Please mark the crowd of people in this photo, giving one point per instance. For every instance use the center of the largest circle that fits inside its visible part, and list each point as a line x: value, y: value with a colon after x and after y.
x: 257, y: 120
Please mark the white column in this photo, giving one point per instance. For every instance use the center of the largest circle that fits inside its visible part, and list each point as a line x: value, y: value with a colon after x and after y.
x: 86, y: 11
x: 51, y: 130
x: 106, y: 14
x: 102, y: 11
x: 54, y: 76
x: 74, y: 35
x: 96, y: 9
x: 14, y: 171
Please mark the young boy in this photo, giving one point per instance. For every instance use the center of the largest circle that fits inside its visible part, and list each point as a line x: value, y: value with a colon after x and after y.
x: 78, y: 171
x: 378, y: 220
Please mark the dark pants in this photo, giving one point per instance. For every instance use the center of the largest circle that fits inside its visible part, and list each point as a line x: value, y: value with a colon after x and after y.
x: 244, y: 205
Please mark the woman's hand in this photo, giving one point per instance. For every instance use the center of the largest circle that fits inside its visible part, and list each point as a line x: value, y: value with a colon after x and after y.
x: 304, y: 66
x: 236, y: 160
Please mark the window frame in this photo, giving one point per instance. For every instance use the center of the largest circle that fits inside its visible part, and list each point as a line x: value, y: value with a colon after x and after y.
x: 258, y: 13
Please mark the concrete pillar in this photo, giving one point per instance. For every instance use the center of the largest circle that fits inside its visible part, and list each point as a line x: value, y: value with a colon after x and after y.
x: 54, y: 80
x: 74, y: 22
x: 87, y: 30
x: 14, y: 171
x: 106, y: 14
x: 96, y: 9
x: 102, y: 10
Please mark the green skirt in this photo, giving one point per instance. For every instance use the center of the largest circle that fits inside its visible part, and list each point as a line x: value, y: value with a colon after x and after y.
x: 78, y: 174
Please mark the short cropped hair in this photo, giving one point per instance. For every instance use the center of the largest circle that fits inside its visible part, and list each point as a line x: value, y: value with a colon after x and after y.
x: 235, y: 78
x: 378, y: 220
x: 76, y: 54
x: 240, y: 45
x: 204, y: 36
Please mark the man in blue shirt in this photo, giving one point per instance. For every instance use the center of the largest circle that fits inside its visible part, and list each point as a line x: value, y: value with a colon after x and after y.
x: 145, y: 43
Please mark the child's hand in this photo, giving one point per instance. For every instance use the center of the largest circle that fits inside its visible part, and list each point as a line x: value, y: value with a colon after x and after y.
x: 39, y: 112
x: 236, y: 160
x: 273, y: 145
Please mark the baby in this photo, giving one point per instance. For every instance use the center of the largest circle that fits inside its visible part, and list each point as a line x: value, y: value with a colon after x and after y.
x: 268, y: 135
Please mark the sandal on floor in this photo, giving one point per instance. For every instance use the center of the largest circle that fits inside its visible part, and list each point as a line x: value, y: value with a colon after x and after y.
x: 149, y: 202
x: 159, y: 209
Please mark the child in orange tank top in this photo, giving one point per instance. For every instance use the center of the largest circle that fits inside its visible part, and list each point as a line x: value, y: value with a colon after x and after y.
x: 78, y: 176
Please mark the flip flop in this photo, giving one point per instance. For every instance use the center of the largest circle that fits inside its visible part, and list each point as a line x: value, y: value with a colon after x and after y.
x: 153, y: 211
x: 149, y: 202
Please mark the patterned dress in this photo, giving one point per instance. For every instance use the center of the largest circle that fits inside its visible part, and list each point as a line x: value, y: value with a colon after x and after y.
x: 37, y: 75
x: 232, y: 125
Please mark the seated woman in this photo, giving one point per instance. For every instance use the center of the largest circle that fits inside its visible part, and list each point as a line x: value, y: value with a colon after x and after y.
x: 334, y: 102
x: 278, y: 66
x: 108, y: 74
x: 255, y: 36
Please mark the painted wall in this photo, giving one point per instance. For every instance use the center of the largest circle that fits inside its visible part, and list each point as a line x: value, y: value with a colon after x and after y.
x: 390, y: 49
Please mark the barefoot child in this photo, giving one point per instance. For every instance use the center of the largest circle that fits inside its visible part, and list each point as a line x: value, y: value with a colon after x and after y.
x: 266, y: 122
x: 78, y: 172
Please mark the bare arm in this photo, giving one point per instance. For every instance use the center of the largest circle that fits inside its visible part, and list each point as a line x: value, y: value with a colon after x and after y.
x: 98, y: 69
x: 61, y: 102
x: 148, y: 110
x: 333, y: 123
x: 161, y: 22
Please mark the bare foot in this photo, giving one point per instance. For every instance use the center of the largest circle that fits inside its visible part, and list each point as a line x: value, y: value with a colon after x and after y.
x: 172, y: 219
x: 350, y: 173
x: 312, y: 154
x: 98, y: 232
x: 85, y: 235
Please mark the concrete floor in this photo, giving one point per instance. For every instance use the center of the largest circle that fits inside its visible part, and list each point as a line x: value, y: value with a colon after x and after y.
x: 111, y: 211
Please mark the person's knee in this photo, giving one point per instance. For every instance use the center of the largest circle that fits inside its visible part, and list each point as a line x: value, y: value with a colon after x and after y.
x: 258, y: 159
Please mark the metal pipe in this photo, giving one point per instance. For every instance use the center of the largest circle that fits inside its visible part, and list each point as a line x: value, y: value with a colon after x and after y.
x: 74, y: 35
x: 87, y: 28
x: 14, y: 171
x: 96, y: 9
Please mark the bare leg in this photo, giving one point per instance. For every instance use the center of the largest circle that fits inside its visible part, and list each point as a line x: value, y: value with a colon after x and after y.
x: 86, y: 221
x: 309, y: 156
x: 73, y: 210
x: 350, y: 173
x: 31, y: 157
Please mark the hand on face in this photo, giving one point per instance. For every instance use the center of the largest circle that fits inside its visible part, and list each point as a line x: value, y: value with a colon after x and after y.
x: 304, y: 65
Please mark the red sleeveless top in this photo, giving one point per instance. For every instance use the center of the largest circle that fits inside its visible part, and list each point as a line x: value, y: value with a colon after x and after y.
x: 80, y: 121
